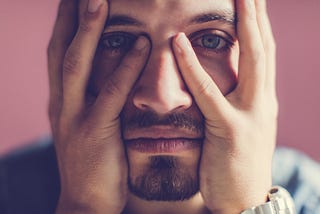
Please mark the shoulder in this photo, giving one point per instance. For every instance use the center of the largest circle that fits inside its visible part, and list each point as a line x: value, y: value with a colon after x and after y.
x: 300, y: 175
x: 29, y: 180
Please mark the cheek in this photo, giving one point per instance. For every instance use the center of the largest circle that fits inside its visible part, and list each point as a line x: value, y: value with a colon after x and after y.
x: 222, y: 69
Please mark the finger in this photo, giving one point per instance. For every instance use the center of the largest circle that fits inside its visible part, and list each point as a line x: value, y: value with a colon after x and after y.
x: 252, y: 57
x: 206, y: 93
x: 78, y: 60
x: 113, y: 95
x: 268, y: 43
x: 63, y: 32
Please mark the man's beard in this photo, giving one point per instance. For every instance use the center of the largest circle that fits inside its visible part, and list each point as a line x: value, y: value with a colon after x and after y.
x: 164, y: 180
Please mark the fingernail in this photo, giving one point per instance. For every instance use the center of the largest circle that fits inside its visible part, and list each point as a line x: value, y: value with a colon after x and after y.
x: 182, y: 43
x: 94, y: 5
x: 141, y: 43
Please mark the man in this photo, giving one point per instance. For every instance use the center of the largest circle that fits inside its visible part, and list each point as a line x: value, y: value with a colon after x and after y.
x: 162, y: 106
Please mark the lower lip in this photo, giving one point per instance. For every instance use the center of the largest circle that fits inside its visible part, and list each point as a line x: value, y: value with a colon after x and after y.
x: 163, y: 145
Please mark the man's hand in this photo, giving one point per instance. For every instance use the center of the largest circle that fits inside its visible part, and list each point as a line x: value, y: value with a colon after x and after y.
x: 235, y: 171
x: 90, y: 152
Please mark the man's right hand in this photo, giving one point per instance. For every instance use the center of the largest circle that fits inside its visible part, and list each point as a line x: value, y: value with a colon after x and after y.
x: 91, y: 157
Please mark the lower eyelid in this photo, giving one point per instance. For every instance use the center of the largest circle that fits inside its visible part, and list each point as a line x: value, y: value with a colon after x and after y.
x: 129, y: 38
x: 205, y: 53
x: 212, y: 52
x: 194, y: 43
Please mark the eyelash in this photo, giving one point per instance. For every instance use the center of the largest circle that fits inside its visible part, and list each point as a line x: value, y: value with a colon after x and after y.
x: 128, y: 40
x: 196, y: 39
x: 222, y: 44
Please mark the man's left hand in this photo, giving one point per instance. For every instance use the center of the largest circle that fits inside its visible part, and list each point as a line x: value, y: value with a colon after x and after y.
x: 240, y: 128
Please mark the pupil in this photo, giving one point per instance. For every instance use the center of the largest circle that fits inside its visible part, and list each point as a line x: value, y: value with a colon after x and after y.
x: 116, y: 42
x: 210, y: 41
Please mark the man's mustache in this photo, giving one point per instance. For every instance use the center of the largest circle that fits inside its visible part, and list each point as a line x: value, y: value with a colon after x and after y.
x: 148, y: 119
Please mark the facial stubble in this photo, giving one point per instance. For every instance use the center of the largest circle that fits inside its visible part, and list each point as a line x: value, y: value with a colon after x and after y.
x: 165, y: 179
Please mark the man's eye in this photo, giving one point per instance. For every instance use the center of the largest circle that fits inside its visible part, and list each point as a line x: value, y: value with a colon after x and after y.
x: 117, y: 41
x: 211, y: 42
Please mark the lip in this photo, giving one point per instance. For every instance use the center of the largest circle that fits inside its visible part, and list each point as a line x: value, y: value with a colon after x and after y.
x: 163, y: 145
x: 165, y: 132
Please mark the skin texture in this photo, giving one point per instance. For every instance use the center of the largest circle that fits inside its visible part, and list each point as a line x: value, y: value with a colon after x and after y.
x: 232, y: 93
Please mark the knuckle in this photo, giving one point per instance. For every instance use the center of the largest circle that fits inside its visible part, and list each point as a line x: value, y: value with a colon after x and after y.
x: 51, y: 49
x: 71, y: 62
x: 62, y: 126
x: 128, y: 66
x: 85, y: 26
x: 111, y: 89
x: 258, y: 57
x: 190, y: 66
x: 255, y: 55
x: 270, y: 46
x: 205, y: 88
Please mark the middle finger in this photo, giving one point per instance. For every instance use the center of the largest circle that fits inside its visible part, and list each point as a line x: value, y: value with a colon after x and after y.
x: 79, y: 57
x: 252, y: 56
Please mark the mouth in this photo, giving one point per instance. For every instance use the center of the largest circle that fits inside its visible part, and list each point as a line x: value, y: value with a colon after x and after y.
x: 163, y: 145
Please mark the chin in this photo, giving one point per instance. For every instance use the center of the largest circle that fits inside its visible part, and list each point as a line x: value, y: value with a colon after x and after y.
x: 164, y: 176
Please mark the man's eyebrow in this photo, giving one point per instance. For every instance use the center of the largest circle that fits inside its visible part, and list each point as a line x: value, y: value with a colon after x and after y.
x: 123, y: 20
x: 228, y: 17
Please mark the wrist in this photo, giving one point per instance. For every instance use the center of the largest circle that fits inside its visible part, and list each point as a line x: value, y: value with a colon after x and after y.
x: 87, y: 205
x: 278, y: 200
x: 235, y: 203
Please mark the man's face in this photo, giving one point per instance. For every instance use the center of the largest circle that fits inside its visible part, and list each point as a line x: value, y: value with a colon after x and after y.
x: 162, y: 127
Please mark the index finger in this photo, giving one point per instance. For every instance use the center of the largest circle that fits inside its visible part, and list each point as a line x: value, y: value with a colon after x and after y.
x: 205, y: 91
x: 113, y: 95
x: 79, y: 57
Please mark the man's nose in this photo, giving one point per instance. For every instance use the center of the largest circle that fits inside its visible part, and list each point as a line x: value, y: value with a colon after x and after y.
x: 161, y: 88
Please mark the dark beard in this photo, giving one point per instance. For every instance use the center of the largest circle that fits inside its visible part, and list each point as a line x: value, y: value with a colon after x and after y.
x: 164, y: 180
x: 175, y: 120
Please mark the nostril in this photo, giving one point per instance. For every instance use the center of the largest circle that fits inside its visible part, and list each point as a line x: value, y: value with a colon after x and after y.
x: 183, y: 107
x: 143, y: 106
x: 162, y: 101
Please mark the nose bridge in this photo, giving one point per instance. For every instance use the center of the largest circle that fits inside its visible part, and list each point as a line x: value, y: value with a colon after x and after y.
x: 163, y: 69
x: 160, y: 87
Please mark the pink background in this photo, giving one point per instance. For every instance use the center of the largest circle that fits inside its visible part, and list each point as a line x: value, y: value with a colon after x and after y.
x: 25, y: 28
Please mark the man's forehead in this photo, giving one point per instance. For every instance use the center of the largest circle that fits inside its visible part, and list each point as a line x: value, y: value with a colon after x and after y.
x: 167, y: 7
x: 178, y: 10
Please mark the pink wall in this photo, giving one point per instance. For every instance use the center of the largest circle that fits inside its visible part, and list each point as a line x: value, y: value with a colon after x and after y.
x: 25, y: 28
